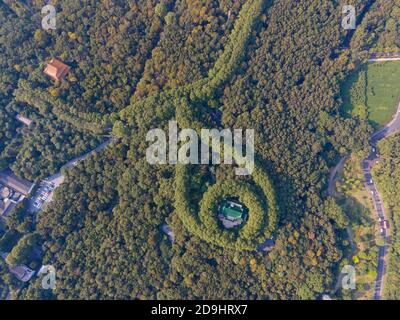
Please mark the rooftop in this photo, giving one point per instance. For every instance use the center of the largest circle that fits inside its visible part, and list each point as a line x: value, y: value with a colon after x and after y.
x: 56, y: 70
x: 23, y: 273
x: 6, y: 207
x: 10, y: 180
x: 232, y: 210
x: 167, y: 230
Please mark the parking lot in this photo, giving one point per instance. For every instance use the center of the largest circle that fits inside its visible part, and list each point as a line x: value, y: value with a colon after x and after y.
x: 41, y: 196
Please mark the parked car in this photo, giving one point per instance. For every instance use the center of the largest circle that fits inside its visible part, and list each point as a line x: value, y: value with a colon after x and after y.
x: 385, y: 224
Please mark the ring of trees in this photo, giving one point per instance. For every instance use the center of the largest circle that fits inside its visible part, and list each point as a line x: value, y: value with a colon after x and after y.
x: 258, y: 198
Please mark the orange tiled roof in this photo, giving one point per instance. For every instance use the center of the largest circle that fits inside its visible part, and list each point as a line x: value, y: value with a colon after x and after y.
x: 56, y: 70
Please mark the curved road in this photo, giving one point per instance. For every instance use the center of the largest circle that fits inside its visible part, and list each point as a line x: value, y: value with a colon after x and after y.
x: 367, y: 165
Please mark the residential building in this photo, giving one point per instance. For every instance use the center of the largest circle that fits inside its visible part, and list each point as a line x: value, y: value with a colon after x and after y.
x: 56, y: 70
x: 23, y: 273
x: 10, y: 180
x: 231, y: 214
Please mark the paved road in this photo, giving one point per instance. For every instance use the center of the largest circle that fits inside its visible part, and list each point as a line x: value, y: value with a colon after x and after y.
x: 380, y: 216
x: 54, y: 181
x: 384, y: 56
x: 383, y: 59
x: 75, y: 161
x: 367, y: 165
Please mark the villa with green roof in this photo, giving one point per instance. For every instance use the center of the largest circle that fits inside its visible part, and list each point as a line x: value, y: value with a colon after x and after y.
x: 231, y: 214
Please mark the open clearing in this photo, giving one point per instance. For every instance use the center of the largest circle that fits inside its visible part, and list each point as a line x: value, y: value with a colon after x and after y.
x: 373, y: 92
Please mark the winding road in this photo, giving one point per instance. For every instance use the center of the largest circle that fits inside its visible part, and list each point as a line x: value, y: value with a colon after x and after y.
x: 367, y: 165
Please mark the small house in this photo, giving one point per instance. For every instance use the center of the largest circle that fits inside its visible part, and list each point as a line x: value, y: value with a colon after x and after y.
x: 22, y: 273
x: 168, y: 231
x: 232, y: 211
x: 56, y: 70
x: 231, y: 214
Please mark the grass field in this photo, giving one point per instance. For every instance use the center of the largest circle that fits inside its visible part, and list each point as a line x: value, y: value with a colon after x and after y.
x: 373, y: 92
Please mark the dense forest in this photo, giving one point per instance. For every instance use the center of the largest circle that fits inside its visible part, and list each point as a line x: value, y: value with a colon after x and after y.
x: 389, y: 39
x: 48, y: 143
x: 272, y: 66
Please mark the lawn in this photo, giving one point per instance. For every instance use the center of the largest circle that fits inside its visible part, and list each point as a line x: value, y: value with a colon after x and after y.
x: 373, y: 92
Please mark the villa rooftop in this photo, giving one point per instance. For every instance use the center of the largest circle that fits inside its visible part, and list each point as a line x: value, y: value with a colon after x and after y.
x: 56, y: 70
x: 232, y: 214
x: 232, y: 210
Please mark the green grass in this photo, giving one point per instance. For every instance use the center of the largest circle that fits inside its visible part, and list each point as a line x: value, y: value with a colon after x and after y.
x: 381, y: 92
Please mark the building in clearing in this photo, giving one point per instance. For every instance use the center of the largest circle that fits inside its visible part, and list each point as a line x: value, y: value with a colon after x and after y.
x: 231, y: 214
x: 56, y: 70
x: 267, y: 246
x: 23, y: 273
